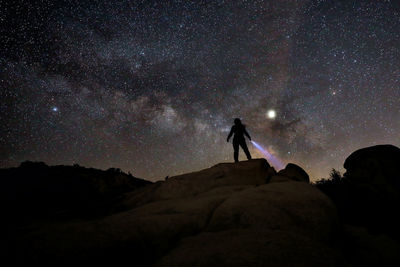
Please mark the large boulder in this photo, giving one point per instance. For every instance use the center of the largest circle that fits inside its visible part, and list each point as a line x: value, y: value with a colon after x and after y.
x: 371, y: 189
x: 250, y: 172
x: 378, y: 165
x: 260, y: 226
x: 294, y: 172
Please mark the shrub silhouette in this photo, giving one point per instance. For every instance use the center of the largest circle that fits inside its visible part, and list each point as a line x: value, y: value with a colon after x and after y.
x: 335, y: 177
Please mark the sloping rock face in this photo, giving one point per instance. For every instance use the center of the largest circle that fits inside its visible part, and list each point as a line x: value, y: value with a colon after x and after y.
x: 232, y: 214
x: 252, y: 172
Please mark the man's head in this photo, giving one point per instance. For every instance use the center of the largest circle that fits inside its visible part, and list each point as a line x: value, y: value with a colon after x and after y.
x: 237, y: 121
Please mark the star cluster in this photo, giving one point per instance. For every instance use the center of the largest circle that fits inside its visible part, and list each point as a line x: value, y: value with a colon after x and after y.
x: 152, y: 87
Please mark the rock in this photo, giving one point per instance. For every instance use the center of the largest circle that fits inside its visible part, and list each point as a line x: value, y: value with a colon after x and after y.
x: 378, y: 165
x: 295, y: 172
x: 250, y: 172
x: 366, y: 249
x: 227, y: 215
x: 287, y: 206
x: 371, y: 189
x: 243, y: 247
x: 232, y: 214
x: 279, y: 178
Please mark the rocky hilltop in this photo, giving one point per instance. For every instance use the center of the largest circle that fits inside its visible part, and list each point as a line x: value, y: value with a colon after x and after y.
x: 232, y: 214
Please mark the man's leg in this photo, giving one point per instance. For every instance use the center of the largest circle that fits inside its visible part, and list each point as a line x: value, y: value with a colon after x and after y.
x: 235, y: 150
x: 245, y: 149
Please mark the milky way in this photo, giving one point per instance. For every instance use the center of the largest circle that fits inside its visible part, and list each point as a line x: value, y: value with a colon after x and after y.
x: 152, y: 87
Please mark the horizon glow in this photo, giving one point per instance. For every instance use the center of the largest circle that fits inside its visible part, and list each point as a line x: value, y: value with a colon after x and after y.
x: 277, y: 163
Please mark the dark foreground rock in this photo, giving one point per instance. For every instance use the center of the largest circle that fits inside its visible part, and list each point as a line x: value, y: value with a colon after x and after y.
x: 369, y: 193
x: 373, y: 184
x: 368, y: 201
x: 227, y: 215
x: 232, y: 214
x: 377, y: 165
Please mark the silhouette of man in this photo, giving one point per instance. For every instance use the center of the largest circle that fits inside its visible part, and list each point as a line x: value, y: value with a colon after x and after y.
x: 239, y: 130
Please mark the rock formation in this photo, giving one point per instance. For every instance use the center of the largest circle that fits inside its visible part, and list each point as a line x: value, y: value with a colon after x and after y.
x: 377, y: 165
x: 232, y: 214
x: 368, y: 199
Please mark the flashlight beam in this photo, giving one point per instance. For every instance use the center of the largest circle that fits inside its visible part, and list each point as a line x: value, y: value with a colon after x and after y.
x: 278, y: 164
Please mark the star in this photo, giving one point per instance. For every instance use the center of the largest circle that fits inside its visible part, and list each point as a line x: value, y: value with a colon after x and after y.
x: 271, y: 114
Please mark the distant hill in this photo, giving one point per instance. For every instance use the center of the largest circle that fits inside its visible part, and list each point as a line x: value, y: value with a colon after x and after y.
x: 35, y: 190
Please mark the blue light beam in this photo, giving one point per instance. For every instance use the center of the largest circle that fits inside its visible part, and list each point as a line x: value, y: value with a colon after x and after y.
x: 277, y: 163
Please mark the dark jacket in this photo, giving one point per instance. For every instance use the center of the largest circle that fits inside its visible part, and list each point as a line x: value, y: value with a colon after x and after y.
x: 239, y: 130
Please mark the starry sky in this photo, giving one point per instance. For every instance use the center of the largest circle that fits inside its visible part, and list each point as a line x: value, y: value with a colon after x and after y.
x: 152, y: 87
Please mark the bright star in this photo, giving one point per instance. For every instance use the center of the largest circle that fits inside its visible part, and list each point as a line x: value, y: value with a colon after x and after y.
x: 55, y: 109
x: 271, y: 114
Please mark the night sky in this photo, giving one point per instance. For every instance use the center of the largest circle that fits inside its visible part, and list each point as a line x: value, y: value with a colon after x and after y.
x: 152, y: 87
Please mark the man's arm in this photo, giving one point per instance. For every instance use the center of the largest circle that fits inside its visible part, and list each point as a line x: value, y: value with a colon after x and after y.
x: 247, y: 134
x: 230, y: 134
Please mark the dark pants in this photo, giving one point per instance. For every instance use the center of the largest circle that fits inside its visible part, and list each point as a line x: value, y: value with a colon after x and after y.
x: 242, y: 143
